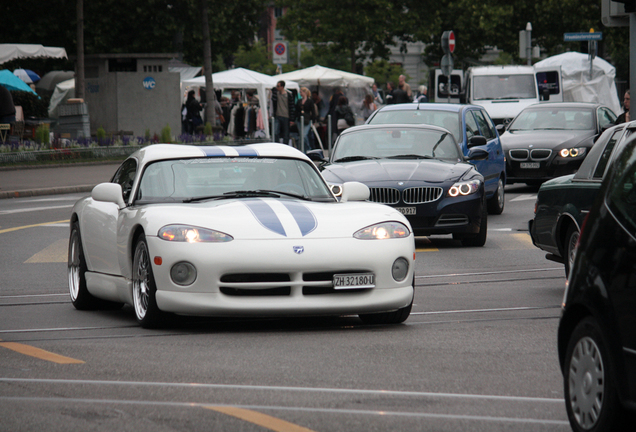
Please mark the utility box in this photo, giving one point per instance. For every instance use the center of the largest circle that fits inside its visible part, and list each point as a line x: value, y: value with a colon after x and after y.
x: 132, y: 92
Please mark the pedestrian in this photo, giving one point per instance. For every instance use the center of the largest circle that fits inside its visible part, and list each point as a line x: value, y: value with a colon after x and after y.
x: 319, y: 104
x: 395, y: 94
x: 344, y: 115
x: 305, y: 110
x: 377, y: 97
x: 368, y: 106
x: 193, y: 108
x: 421, y: 94
x: 7, y: 108
x: 333, y: 103
x: 404, y: 86
x: 283, y: 108
x: 624, y: 118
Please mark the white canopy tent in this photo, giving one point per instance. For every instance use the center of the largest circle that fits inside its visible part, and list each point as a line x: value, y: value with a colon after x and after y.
x: 322, y: 76
x: 579, y: 86
x: 63, y: 91
x: 15, y: 51
x: 241, y: 78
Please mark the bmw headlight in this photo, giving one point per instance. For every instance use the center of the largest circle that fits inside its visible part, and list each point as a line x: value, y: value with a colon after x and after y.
x: 464, y: 188
x: 192, y: 234
x: 573, y: 152
x: 384, y: 230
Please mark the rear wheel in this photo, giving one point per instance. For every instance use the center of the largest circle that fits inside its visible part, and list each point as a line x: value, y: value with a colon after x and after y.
x: 80, y: 297
x: 496, y: 202
x: 144, y: 287
x: 569, y: 247
x: 591, y: 398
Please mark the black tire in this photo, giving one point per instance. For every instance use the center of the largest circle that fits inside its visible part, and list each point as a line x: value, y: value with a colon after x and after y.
x: 497, y: 202
x: 395, y: 317
x: 144, y: 288
x: 479, y: 239
x: 591, y: 398
x: 80, y: 297
x: 569, y: 247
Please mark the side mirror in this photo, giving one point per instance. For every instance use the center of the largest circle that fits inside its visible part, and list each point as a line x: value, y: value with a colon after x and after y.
x: 354, y: 191
x: 477, y: 154
x: 477, y: 140
x: 316, y: 155
x: 501, y: 128
x: 109, y: 192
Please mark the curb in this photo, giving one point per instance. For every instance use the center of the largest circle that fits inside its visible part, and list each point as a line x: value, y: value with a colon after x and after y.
x: 45, y: 191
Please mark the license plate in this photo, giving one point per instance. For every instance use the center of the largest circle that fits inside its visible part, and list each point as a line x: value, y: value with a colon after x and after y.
x: 354, y: 281
x: 406, y: 210
x: 530, y: 165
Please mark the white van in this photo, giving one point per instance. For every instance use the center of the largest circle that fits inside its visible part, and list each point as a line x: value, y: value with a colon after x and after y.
x: 506, y: 90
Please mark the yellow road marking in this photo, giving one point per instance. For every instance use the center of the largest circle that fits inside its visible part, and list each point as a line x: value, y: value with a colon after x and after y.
x: 264, y: 420
x: 31, y: 226
x: 524, y: 237
x: 39, y: 353
x: 56, y: 253
x: 427, y: 243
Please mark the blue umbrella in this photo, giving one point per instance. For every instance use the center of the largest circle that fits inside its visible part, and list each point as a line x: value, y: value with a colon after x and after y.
x: 12, y: 82
x: 27, y: 75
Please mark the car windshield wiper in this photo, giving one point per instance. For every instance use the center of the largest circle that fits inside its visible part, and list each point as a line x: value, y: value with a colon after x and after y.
x: 411, y: 156
x: 354, y: 158
x: 246, y: 194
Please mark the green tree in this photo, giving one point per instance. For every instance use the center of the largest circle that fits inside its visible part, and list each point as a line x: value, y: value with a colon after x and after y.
x: 383, y: 72
x: 360, y: 28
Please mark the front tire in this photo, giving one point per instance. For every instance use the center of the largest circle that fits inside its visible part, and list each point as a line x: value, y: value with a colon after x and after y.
x: 395, y: 317
x: 144, y: 288
x: 497, y: 202
x: 479, y: 239
x: 591, y: 398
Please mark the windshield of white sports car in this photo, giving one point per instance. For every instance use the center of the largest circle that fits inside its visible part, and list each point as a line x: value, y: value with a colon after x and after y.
x: 194, y: 180
x: 548, y: 118
x: 396, y: 143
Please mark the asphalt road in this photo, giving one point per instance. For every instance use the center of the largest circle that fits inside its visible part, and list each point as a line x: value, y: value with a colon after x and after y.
x: 478, y: 352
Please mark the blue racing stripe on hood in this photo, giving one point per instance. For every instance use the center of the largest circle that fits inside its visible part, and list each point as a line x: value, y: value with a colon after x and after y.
x: 213, y: 151
x: 304, y: 217
x: 265, y: 215
x: 246, y: 151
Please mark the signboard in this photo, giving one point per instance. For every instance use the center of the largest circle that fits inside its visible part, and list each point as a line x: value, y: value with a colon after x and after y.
x: 279, y: 52
x: 448, y: 42
x: 447, y: 64
x: 578, y: 37
x: 149, y: 83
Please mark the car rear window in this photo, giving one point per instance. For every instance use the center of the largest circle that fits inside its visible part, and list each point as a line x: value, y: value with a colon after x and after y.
x: 447, y: 119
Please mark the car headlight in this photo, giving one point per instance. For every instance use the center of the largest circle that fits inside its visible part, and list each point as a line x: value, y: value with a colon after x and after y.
x: 464, y: 188
x: 384, y: 230
x: 191, y: 234
x: 573, y: 152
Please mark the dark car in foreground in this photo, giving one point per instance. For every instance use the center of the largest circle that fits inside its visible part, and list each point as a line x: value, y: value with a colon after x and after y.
x: 597, y: 329
x: 419, y: 170
x: 465, y: 122
x: 562, y: 203
x: 548, y: 140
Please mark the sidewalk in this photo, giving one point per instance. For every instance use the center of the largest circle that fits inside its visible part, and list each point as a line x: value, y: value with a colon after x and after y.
x: 51, y: 180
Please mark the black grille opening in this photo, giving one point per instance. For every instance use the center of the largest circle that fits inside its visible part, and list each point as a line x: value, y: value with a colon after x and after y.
x: 265, y: 292
x: 255, y: 277
x: 310, y: 290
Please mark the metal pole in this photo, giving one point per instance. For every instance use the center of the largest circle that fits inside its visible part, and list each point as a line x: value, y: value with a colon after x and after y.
x: 329, y: 133
x: 632, y: 59
x: 302, y: 134
x: 273, y: 131
x: 529, y: 43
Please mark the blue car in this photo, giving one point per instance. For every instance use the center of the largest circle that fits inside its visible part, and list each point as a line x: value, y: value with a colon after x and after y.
x: 464, y: 122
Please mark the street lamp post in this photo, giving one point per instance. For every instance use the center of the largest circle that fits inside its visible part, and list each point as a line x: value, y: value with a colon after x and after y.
x: 529, y: 43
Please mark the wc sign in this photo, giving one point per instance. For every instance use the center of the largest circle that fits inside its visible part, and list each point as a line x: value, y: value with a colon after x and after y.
x: 149, y: 83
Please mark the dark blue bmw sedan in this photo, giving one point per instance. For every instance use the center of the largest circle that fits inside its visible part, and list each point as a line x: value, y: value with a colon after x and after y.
x: 421, y: 171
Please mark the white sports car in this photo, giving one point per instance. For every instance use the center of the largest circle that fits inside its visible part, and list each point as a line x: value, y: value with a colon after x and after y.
x: 249, y: 230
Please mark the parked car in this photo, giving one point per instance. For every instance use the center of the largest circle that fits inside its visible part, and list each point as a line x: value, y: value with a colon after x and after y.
x: 597, y: 335
x: 421, y: 172
x: 464, y: 122
x: 249, y: 230
x: 562, y: 203
x: 548, y: 140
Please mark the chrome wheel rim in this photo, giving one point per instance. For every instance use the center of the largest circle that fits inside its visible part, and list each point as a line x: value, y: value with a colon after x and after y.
x: 500, y: 194
x: 574, y: 238
x: 141, y: 292
x: 74, y: 266
x: 586, y: 383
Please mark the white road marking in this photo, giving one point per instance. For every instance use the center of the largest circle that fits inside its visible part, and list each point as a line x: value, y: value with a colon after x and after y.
x: 490, y: 273
x: 32, y: 209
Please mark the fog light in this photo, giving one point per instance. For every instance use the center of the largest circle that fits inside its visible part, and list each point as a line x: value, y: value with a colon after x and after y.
x: 400, y: 269
x: 183, y: 273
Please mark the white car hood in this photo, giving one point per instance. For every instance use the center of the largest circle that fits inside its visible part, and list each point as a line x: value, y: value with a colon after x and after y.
x: 271, y: 219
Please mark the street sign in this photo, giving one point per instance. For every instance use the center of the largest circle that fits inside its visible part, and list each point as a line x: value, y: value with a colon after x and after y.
x: 279, y: 52
x: 448, y: 42
x: 578, y: 37
x: 447, y: 64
